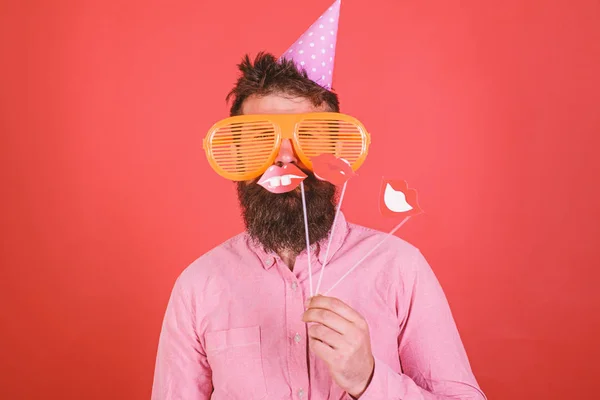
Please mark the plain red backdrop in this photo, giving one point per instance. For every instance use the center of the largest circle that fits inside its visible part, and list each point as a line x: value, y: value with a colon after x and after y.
x: 489, y: 109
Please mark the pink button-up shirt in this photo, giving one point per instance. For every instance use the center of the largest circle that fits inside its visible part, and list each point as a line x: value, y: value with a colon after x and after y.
x: 233, y: 327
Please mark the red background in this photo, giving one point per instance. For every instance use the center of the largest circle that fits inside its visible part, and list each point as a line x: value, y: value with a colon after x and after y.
x: 489, y: 109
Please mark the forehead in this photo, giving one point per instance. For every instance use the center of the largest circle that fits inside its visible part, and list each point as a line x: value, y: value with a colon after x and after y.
x: 279, y: 104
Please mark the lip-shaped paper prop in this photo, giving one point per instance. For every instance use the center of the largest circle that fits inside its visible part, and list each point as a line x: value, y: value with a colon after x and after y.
x: 282, y: 179
x: 397, y: 199
x: 328, y: 167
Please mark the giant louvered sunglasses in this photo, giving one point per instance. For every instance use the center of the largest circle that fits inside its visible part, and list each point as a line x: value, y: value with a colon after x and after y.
x: 243, y: 147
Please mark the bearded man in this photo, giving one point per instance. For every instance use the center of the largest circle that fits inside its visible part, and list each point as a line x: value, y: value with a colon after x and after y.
x: 240, y: 323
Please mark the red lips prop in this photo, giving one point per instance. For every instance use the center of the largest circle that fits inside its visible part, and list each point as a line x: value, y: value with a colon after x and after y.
x: 396, y: 198
x: 328, y: 167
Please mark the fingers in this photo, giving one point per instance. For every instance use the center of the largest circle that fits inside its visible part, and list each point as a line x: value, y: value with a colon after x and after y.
x: 322, y: 333
x: 336, y: 306
x: 327, y: 318
x: 322, y: 350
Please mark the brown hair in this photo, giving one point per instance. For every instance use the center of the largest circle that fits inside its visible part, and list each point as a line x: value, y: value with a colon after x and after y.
x: 267, y: 75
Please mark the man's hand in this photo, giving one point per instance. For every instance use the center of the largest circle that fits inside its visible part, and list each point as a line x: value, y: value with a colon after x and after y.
x: 340, y: 337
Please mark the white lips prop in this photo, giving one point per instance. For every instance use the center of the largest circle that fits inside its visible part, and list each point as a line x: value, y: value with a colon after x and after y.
x: 282, y: 180
x: 395, y: 200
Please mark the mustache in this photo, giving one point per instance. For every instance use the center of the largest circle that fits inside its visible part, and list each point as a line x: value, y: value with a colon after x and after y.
x: 295, y: 164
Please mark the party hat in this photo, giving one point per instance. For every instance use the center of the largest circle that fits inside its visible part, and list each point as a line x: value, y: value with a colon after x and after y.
x: 315, y: 49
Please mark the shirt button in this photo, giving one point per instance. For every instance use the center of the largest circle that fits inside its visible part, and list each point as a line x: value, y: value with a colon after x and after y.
x: 269, y: 262
x: 301, y: 393
x: 297, y: 338
x: 294, y: 286
x: 313, y: 248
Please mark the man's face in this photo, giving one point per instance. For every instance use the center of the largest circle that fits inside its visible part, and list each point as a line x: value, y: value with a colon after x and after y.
x: 276, y: 221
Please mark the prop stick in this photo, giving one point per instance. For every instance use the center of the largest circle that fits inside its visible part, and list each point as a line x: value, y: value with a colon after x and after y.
x: 368, y: 254
x: 337, y: 212
x: 395, y: 199
x: 337, y: 171
x: 307, y: 237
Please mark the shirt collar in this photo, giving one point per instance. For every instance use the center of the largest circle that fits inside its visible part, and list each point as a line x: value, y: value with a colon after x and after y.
x: 318, y: 249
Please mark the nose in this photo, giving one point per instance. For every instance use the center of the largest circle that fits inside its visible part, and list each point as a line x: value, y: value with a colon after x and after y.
x: 286, y: 153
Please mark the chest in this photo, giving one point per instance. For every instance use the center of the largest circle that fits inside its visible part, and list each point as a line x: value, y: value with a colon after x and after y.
x: 256, y: 342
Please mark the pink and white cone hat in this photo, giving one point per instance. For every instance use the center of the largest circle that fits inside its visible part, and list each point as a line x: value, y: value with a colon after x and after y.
x: 315, y: 49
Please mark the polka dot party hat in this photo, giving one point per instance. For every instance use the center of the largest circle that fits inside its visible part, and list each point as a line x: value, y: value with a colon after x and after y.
x: 315, y: 49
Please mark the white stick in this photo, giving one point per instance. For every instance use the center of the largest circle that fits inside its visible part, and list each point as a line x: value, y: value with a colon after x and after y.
x: 337, y: 212
x: 307, y: 238
x: 368, y: 254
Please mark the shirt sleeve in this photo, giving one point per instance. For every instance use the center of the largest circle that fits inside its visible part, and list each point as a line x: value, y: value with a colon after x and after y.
x: 434, y: 362
x: 181, y: 370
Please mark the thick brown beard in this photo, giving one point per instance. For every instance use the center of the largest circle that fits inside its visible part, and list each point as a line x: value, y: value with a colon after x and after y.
x: 276, y: 221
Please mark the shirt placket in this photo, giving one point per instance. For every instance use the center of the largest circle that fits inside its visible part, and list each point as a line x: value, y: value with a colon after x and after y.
x: 297, y: 343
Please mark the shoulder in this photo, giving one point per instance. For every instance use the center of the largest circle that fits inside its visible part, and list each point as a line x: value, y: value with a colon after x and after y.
x: 396, y: 262
x: 401, y: 268
x: 391, y: 245
x: 215, y: 263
